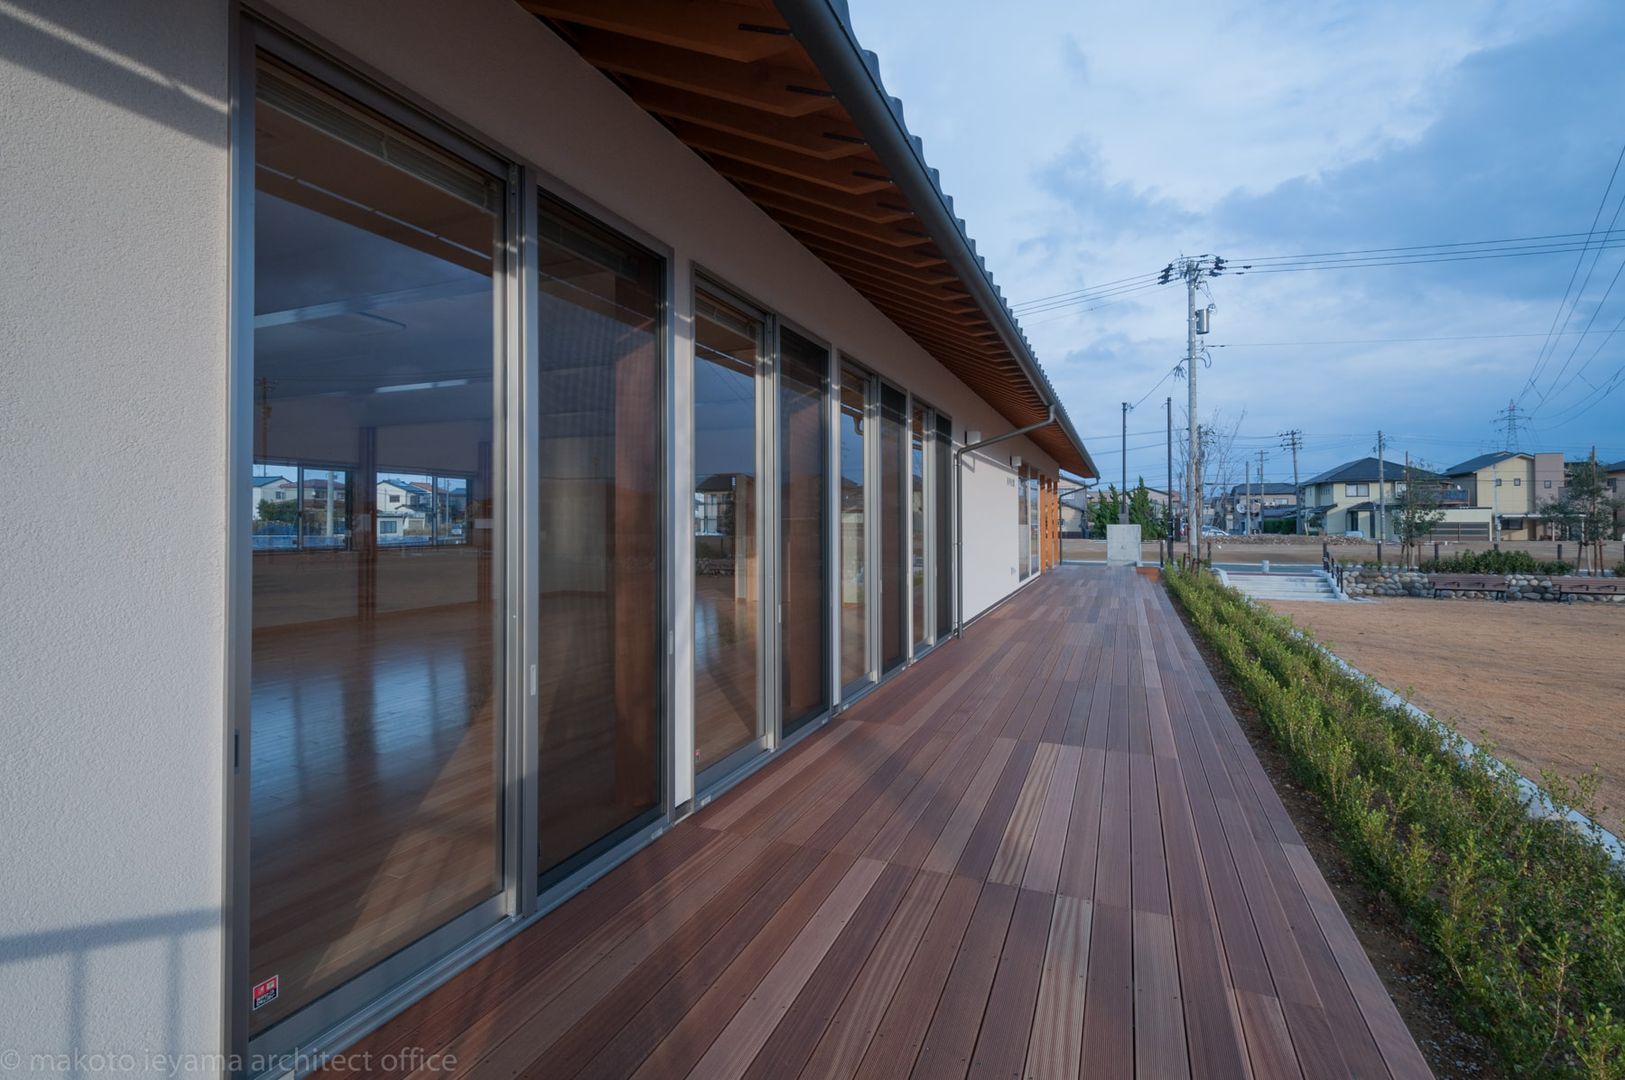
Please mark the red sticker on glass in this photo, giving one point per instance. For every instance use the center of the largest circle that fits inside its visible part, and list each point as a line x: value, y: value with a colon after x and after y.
x: 266, y: 992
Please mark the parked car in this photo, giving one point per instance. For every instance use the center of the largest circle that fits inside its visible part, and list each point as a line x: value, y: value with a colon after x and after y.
x: 1213, y: 530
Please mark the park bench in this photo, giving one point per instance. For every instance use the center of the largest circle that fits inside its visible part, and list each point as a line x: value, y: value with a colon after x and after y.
x: 1568, y: 588
x: 1485, y: 583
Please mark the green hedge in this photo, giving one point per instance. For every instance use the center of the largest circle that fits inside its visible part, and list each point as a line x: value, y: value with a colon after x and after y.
x: 1494, y: 562
x: 1525, y: 917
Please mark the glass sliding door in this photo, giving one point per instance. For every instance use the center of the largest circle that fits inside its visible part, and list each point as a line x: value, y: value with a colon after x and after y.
x: 600, y: 470
x: 1034, y: 548
x: 919, y: 625
x: 1024, y: 533
x: 376, y: 768
x: 894, y: 561
x: 942, y: 467
x: 856, y: 667
x: 803, y: 513
x: 728, y: 353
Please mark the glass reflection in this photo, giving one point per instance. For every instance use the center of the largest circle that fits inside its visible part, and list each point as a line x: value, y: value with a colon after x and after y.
x: 375, y: 757
x: 804, y: 534
x: 893, y: 556
x: 854, y: 531
x: 727, y: 585
x: 942, y: 470
x: 916, y: 508
x: 1024, y: 535
x: 599, y: 680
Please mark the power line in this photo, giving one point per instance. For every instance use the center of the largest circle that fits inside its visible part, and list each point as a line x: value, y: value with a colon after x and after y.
x: 1434, y: 257
x: 1078, y: 292
x: 1540, y: 358
x: 1122, y: 290
x: 1589, y: 322
x: 1389, y: 341
x: 1421, y: 247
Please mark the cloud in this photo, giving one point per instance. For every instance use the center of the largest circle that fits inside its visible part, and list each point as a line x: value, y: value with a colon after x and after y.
x: 1088, y: 143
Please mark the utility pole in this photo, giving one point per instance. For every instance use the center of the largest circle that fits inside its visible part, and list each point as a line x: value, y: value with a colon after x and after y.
x: 1495, y: 503
x: 1168, y: 507
x: 1193, y: 270
x: 1247, y: 505
x: 1122, y: 492
x: 1261, y: 493
x: 1382, y: 495
x: 1294, y: 440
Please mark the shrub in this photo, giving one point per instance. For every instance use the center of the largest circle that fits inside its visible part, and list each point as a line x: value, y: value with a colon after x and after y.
x: 1495, y: 562
x: 1524, y: 917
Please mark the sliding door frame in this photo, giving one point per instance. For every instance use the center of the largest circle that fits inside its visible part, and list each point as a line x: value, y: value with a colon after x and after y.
x: 722, y: 773
x: 851, y: 691
x: 339, y: 1016
x: 829, y: 403
x: 539, y: 183
x: 361, y: 1000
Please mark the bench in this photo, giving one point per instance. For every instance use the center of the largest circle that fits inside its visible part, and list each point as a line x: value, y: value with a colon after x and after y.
x: 1568, y: 588
x: 1485, y: 583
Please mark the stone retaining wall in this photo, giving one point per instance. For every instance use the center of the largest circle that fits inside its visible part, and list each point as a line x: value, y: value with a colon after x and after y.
x: 1398, y: 581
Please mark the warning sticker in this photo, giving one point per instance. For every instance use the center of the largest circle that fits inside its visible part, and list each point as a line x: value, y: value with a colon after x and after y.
x: 266, y: 992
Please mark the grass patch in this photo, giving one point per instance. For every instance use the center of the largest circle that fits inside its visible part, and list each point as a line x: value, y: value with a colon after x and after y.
x: 1525, y: 917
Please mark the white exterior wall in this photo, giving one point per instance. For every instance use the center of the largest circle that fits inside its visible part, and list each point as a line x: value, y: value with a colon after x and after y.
x: 991, y: 531
x: 113, y: 210
x: 113, y: 333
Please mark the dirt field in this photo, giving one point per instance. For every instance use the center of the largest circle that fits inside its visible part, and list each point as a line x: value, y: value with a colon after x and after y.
x: 1543, y: 684
x: 1306, y: 549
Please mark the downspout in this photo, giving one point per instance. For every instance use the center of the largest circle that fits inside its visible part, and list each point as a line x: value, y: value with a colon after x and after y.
x: 959, y: 509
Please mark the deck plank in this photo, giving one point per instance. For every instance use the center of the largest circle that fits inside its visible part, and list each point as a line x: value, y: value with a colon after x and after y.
x: 1047, y: 850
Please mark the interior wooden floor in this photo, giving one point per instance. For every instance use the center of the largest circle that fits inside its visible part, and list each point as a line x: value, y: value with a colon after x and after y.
x: 1046, y: 851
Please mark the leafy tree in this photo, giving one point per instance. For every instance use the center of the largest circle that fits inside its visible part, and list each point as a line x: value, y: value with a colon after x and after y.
x: 1103, y: 510
x: 1144, y: 513
x: 1418, y: 512
x: 1141, y: 511
x: 286, y: 512
x: 1585, y: 510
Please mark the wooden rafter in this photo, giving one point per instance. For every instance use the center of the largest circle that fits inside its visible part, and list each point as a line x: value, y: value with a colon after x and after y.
x: 851, y: 175
x: 730, y: 81
x: 770, y: 87
x: 728, y: 31
x: 819, y: 135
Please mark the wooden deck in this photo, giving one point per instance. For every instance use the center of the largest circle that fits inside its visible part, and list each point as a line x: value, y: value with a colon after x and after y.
x: 1047, y: 851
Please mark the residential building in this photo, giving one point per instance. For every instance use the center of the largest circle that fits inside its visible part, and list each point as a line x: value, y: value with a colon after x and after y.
x: 274, y: 489
x: 543, y: 290
x: 1349, y: 501
x: 1511, y: 486
x: 1244, y: 504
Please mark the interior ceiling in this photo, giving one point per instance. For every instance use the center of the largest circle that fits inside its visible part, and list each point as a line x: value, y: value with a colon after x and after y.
x: 729, y: 80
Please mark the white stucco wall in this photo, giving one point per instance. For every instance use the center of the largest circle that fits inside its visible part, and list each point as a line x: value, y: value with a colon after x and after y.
x: 991, y: 534
x: 113, y: 198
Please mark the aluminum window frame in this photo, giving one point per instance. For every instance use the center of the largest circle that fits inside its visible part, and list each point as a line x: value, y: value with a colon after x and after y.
x: 831, y: 406
x: 385, y: 989
x: 728, y: 770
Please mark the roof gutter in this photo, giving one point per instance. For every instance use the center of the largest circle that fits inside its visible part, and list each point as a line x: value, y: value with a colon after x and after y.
x: 854, y: 75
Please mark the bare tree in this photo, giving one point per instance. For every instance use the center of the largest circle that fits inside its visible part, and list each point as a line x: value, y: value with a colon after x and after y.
x: 1418, y: 512
x: 1220, y: 464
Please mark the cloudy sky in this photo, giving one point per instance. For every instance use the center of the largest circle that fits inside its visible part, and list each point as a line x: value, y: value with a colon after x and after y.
x: 1087, y: 142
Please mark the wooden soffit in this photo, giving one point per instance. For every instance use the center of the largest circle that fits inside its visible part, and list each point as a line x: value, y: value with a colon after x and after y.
x: 729, y: 79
